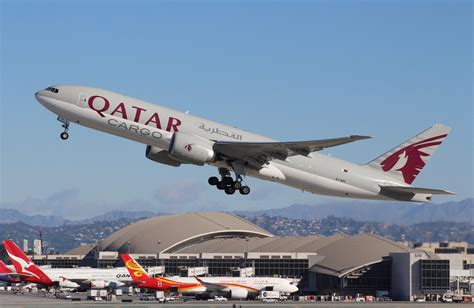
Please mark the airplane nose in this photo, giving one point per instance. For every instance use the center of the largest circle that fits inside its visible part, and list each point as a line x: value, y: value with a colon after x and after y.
x: 38, y: 95
x: 43, y: 99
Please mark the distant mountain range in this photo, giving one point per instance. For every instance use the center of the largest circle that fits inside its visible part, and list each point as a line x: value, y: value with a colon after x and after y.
x: 386, y: 212
x: 12, y: 216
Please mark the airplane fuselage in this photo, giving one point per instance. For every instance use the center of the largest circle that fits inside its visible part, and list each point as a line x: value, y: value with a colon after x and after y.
x: 251, y: 285
x: 154, y: 125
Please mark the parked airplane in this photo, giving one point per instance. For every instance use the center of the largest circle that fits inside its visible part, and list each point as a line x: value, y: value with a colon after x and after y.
x: 234, y: 287
x: 82, y: 277
x: 174, y: 138
x: 7, y: 274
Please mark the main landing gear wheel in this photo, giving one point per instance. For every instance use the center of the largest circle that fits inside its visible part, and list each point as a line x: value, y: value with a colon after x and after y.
x: 221, y: 185
x: 213, y: 180
x: 244, y: 190
x: 228, y: 180
x: 229, y: 190
x: 237, y: 185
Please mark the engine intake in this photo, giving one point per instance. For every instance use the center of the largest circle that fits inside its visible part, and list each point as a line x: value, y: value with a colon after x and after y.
x: 191, y: 149
x: 98, y: 284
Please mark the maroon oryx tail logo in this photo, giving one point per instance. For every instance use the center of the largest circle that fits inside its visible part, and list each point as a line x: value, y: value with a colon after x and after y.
x: 189, y: 147
x: 409, y: 160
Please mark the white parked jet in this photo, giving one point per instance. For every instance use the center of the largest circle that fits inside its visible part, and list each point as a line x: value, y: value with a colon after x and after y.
x: 81, y: 277
x: 174, y: 138
x: 234, y: 287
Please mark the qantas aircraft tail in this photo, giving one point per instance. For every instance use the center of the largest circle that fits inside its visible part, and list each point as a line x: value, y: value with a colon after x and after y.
x: 4, y: 268
x: 405, y: 161
x: 24, y: 266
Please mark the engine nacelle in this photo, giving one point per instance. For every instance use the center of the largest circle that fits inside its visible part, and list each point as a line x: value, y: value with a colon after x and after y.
x: 190, y: 149
x: 98, y: 284
x: 66, y: 283
x: 239, y: 293
x: 160, y: 156
x: 115, y: 284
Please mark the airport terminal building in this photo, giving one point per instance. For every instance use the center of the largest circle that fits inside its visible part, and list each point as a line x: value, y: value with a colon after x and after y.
x: 223, y: 244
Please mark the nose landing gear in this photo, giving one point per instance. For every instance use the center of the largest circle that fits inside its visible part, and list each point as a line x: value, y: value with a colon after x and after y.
x: 228, y: 184
x: 64, y: 135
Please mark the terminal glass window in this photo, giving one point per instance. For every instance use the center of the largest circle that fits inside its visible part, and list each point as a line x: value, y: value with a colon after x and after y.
x: 434, y: 276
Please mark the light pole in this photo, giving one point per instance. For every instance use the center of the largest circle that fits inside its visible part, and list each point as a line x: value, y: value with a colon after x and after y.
x: 157, y: 252
x: 246, y: 250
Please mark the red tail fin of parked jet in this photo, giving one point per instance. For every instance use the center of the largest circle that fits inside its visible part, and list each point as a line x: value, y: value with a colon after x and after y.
x: 24, y: 266
x: 4, y: 268
x: 139, y: 275
x: 6, y: 274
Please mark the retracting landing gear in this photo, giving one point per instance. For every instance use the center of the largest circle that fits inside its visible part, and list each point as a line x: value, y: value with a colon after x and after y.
x: 64, y: 135
x: 228, y: 184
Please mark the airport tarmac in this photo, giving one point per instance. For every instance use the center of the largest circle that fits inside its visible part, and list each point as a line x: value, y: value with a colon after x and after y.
x: 29, y: 300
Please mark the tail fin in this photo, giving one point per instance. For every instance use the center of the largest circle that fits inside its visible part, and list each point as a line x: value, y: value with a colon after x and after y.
x: 405, y: 161
x: 23, y: 264
x: 136, y: 271
x: 4, y: 268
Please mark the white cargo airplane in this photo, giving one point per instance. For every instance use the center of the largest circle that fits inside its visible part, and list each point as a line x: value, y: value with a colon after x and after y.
x: 174, y: 138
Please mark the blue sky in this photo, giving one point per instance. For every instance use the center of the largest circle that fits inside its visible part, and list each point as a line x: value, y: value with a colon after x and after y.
x: 290, y: 70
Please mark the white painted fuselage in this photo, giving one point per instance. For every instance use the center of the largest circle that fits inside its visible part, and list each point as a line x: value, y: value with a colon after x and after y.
x: 154, y: 125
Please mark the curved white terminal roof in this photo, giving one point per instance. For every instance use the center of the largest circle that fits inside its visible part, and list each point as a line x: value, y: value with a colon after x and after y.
x: 166, y: 234
x: 351, y: 253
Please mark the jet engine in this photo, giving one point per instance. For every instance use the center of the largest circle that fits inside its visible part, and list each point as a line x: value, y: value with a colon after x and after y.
x: 66, y: 283
x: 190, y: 149
x: 238, y: 293
x: 98, y: 284
x: 115, y: 284
x: 160, y: 156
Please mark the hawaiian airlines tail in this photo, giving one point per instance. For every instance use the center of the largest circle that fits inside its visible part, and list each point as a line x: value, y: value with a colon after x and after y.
x: 405, y: 162
x: 24, y: 266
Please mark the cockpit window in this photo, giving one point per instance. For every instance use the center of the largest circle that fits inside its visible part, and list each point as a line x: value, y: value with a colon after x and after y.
x: 51, y: 89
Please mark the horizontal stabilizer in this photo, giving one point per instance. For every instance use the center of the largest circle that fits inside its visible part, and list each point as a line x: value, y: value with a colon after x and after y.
x: 416, y: 190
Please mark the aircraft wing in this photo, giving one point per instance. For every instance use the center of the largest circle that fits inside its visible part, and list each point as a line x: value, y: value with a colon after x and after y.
x: 264, y: 151
x: 212, y: 286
